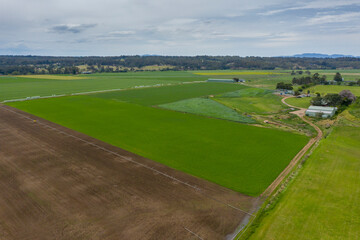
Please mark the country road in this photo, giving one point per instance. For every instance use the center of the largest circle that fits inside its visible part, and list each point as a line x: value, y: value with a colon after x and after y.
x: 295, y: 160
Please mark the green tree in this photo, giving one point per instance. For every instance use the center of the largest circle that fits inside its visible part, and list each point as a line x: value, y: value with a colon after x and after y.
x: 338, y: 77
x: 317, y: 101
x: 332, y: 99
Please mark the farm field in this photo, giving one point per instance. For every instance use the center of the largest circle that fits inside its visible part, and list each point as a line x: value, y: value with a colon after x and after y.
x: 240, y: 157
x: 15, y: 87
x: 269, y: 78
x: 252, y: 100
x: 179, y: 128
x: 299, y: 102
x: 256, y: 78
x: 59, y: 184
x: 324, y: 89
x: 166, y: 94
x: 322, y: 201
x: 207, y: 107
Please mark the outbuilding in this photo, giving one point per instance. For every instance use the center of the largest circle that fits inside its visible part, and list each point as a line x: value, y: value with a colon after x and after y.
x: 221, y: 80
x: 319, y: 111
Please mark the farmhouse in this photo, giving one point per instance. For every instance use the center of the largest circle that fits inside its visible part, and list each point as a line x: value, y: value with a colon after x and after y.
x: 225, y: 80
x: 324, y: 112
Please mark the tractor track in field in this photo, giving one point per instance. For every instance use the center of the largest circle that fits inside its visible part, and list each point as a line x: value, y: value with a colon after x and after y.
x: 63, y: 184
x: 300, y: 113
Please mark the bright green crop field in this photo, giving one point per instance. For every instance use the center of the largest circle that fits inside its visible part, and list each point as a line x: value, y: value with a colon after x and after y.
x: 252, y: 100
x: 207, y: 107
x: 15, y: 87
x: 167, y: 94
x: 237, y: 156
x: 323, y: 201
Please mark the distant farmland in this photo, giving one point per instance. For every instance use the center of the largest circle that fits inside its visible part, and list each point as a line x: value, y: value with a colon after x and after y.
x: 166, y: 94
x: 15, y: 87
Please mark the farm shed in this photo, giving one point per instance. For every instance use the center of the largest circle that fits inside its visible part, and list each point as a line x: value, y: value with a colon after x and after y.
x: 324, y: 112
x: 221, y: 80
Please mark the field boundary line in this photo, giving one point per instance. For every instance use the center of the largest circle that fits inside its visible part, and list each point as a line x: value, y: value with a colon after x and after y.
x: 196, y: 188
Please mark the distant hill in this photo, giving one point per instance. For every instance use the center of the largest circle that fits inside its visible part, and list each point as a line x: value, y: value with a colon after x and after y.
x: 319, y: 55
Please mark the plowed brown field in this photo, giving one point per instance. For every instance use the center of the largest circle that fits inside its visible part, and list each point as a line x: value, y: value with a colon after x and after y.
x: 56, y: 183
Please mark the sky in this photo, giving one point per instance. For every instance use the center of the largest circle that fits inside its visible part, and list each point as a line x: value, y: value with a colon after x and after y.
x: 181, y: 27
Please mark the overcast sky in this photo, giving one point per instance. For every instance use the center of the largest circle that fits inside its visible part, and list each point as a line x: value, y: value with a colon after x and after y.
x: 181, y: 27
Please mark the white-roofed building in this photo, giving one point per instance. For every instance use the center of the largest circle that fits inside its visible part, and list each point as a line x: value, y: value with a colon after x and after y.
x: 318, y: 111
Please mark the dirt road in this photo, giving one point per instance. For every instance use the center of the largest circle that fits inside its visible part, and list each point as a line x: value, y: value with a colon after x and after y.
x: 56, y: 183
x: 295, y: 160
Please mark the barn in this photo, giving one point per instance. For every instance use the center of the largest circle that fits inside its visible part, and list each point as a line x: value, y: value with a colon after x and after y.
x: 318, y: 111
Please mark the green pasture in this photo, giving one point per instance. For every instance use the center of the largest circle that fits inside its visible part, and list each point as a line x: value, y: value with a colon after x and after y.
x: 252, y: 100
x: 167, y: 94
x: 299, y: 102
x: 207, y: 107
x: 323, y: 200
x: 12, y: 87
x: 237, y: 156
x: 354, y: 109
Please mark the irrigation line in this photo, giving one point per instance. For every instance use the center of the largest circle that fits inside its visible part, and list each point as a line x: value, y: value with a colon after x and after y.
x: 193, y: 233
x: 198, y: 189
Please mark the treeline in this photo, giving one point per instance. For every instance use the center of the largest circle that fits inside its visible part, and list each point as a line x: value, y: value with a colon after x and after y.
x: 59, y: 65
x: 314, y: 79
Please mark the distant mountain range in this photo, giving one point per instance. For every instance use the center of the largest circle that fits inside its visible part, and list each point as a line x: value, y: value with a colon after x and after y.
x: 319, y: 55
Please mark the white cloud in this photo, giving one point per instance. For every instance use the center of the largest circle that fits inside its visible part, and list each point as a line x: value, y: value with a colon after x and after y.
x: 322, y: 4
x: 334, y: 18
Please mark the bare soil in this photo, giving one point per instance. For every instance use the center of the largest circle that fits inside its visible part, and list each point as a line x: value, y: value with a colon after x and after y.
x: 56, y: 183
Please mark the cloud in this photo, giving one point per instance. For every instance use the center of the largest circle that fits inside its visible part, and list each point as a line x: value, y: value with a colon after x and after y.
x: 334, y: 18
x: 71, y: 28
x: 329, y: 4
x: 187, y: 27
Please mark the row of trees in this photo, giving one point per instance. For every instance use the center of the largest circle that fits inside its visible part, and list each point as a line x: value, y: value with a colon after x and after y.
x: 32, y: 64
x: 284, y: 86
x: 314, y: 79
x: 300, y: 72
